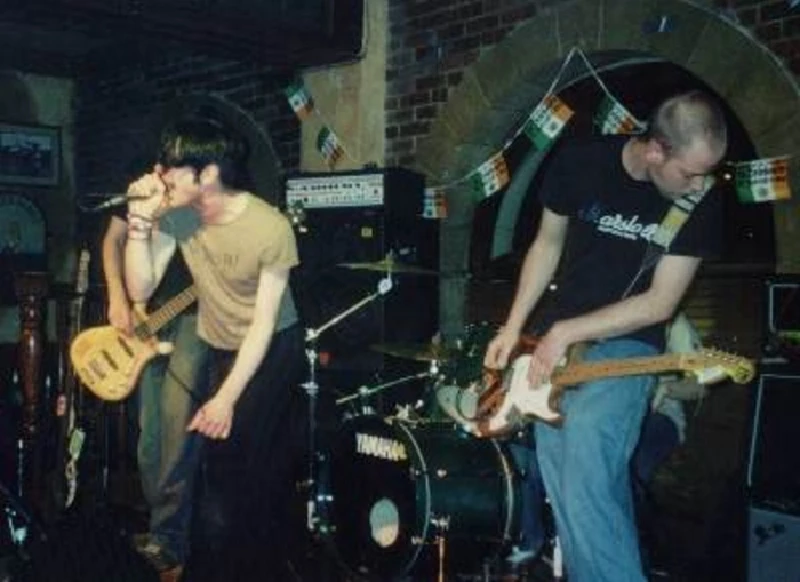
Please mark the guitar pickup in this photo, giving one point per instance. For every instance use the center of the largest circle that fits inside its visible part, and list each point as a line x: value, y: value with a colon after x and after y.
x: 109, y: 360
x: 124, y: 345
x: 97, y: 369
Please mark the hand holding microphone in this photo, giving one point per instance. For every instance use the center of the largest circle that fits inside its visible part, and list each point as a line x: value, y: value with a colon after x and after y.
x: 148, y: 196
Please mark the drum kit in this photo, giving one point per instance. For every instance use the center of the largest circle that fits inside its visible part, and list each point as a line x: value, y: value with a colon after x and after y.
x: 397, y: 495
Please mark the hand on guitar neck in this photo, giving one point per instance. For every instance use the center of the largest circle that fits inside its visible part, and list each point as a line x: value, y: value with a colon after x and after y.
x: 109, y: 361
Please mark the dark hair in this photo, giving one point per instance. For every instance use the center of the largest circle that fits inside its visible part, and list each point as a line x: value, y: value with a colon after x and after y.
x: 680, y: 121
x: 198, y: 142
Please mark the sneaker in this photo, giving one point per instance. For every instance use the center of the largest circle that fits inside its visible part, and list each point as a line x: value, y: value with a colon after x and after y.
x: 140, y: 541
x: 160, y: 558
x: 518, y: 556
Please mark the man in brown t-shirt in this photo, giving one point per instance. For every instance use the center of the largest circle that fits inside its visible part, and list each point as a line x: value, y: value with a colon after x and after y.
x: 239, y: 250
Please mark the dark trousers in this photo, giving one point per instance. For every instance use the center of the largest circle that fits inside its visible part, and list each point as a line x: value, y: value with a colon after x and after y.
x: 247, y: 480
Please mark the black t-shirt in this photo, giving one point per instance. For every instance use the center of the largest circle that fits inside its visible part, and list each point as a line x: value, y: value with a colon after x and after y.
x: 612, y: 219
x: 176, y: 277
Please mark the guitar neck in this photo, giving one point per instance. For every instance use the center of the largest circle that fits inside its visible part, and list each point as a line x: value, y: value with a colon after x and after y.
x: 164, y: 314
x: 586, y: 371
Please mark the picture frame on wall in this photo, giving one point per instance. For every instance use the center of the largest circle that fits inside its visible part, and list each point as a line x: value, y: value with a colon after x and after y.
x: 29, y: 154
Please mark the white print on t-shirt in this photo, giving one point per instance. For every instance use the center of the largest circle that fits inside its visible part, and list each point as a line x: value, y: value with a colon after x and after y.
x: 630, y: 228
x: 617, y: 224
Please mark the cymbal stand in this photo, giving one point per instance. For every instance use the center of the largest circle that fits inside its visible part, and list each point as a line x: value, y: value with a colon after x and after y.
x: 442, y: 524
x: 311, y: 388
x: 365, y: 392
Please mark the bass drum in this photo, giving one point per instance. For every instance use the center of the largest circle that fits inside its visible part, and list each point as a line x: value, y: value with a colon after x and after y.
x: 397, y: 488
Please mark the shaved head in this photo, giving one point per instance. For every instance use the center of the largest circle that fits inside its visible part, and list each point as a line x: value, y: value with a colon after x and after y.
x: 686, y: 120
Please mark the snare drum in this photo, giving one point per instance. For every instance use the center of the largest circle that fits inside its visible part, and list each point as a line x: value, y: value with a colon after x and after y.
x: 396, y: 487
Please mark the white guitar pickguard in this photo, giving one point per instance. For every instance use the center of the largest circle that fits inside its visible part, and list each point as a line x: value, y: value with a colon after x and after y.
x: 521, y: 401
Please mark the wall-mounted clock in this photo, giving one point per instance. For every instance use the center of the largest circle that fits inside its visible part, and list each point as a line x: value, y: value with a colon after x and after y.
x: 22, y: 241
x: 22, y: 226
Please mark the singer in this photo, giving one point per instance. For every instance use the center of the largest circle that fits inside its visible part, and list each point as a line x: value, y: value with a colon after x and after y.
x: 239, y: 250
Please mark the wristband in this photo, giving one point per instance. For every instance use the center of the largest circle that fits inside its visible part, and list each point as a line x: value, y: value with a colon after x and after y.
x: 134, y: 234
x: 139, y: 221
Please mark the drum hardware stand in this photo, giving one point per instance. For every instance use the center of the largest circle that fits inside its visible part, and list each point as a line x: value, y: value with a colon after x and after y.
x: 315, y: 496
x: 365, y: 392
x: 441, y: 524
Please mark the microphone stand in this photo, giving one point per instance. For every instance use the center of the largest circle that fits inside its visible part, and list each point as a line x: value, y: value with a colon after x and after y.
x: 311, y: 388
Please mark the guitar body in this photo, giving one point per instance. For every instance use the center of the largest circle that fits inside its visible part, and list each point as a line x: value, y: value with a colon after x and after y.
x: 507, y: 400
x: 109, y: 362
x: 520, y: 403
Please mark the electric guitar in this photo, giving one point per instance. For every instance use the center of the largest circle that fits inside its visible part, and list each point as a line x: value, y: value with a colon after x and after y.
x: 507, y: 400
x: 71, y: 435
x: 109, y: 362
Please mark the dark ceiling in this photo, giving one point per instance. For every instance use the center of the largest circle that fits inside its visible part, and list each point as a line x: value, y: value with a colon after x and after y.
x: 70, y: 38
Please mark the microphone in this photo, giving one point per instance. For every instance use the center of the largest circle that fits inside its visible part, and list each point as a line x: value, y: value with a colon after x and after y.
x: 116, y: 200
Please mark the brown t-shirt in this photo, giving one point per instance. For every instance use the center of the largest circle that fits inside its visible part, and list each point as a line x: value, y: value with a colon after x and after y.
x: 225, y: 261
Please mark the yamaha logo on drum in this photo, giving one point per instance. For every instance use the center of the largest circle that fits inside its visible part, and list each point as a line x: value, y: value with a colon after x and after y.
x: 380, y: 447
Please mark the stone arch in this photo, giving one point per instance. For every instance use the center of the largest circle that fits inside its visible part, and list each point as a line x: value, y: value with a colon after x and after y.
x: 499, y: 90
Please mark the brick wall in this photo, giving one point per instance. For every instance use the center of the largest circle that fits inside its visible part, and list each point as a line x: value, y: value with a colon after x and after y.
x: 774, y: 23
x: 114, y: 125
x: 431, y: 43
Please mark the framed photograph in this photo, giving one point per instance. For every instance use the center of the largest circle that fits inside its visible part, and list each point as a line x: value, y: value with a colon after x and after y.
x: 29, y: 155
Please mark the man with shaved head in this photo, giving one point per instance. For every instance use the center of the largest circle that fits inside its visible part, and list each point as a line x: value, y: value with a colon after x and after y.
x: 601, y: 275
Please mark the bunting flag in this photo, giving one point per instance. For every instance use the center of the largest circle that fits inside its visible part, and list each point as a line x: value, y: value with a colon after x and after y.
x: 756, y: 181
x: 329, y: 146
x: 547, y: 121
x: 300, y: 100
x: 434, y: 204
x: 491, y: 176
x: 614, y: 118
x: 763, y: 180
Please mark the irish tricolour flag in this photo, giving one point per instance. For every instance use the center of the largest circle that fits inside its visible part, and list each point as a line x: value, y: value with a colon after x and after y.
x: 434, y: 204
x: 763, y: 180
x: 491, y: 176
x: 329, y: 146
x: 300, y: 100
x: 547, y: 121
x: 614, y: 118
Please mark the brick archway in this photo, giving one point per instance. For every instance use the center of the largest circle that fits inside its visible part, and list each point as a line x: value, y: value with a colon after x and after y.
x: 499, y: 90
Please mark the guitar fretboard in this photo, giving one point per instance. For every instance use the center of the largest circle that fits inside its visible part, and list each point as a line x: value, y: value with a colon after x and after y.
x: 583, y: 372
x: 164, y: 314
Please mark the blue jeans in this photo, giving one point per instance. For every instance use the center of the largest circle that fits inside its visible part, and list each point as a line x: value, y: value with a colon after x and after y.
x: 532, y: 495
x: 585, y: 467
x: 170, y: 390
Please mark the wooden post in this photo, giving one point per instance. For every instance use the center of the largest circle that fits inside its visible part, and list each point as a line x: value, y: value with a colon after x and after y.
x: 31, y: 289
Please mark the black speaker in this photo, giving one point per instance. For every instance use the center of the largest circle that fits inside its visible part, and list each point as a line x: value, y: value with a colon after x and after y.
x: 351, y: 223
x: 772, y: 545
x: 782, y: 317
x: 773, y: 473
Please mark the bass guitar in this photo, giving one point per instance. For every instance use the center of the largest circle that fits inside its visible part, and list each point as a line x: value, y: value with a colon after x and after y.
x: 507, y: 400
x: 109, y: 362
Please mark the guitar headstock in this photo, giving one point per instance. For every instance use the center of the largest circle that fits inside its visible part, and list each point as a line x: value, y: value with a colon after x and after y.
x: 82, y: 275
x: 711, y: 366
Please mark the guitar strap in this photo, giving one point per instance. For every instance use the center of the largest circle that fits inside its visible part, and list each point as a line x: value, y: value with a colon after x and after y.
x: 674, y: 219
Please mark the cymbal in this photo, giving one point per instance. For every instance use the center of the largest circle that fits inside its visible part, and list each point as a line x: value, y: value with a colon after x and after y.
x: 420, y: 352
x: 389, y: 265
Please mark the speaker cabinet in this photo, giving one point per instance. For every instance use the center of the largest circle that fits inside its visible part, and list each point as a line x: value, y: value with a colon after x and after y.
x: 773, y: 478
x: 773, y: 474
x: 335, y: 286
x: 773, y: 546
